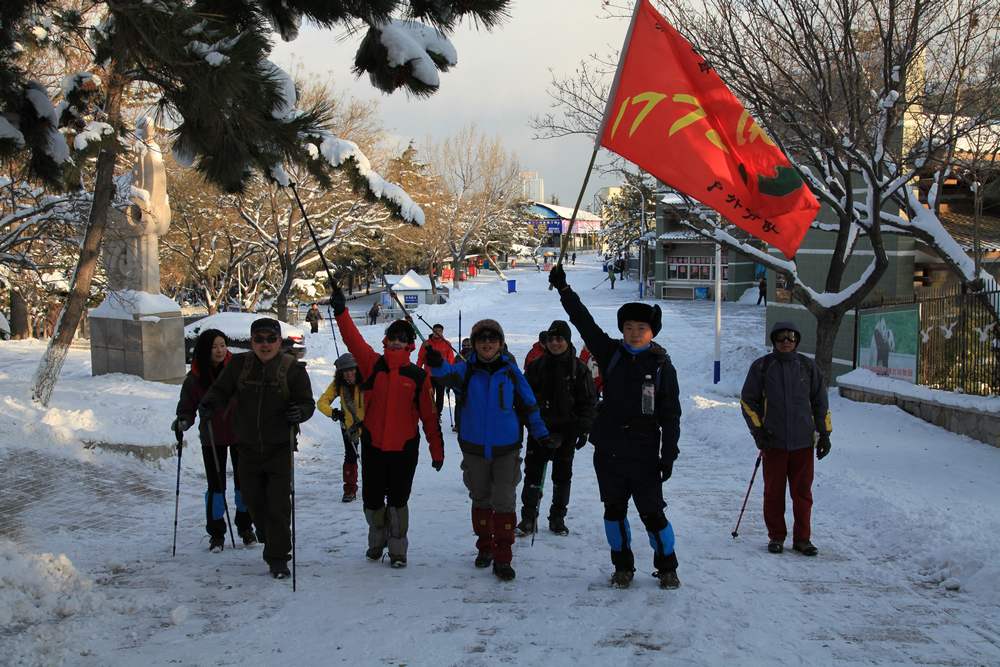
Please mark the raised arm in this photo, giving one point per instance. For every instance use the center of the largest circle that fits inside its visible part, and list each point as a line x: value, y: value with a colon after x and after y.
x: 600, y: 344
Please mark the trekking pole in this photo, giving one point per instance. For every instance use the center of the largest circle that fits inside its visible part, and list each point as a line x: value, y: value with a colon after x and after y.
x: 291, y: 486
x: 600, y: 283
x: 406, y: 315
x: 177, y: 496
x: 747, y: 496
x: 333, y: 331
x: 451, y: 418
x: 220, y: 479
x: 538, y: 505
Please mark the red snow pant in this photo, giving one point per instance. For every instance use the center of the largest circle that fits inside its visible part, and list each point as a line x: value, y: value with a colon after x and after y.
x: 796, y: 468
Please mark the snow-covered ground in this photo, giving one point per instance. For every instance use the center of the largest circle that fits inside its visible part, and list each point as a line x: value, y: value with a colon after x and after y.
x: 906, y: 518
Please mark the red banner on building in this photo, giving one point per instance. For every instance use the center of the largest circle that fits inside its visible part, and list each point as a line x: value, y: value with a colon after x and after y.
x: 672, y: 115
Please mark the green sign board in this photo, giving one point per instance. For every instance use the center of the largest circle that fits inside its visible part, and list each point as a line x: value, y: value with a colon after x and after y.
x: 887, y: 341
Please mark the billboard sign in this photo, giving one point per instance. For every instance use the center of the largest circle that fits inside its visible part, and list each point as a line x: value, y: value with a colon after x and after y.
x: 887, y: 341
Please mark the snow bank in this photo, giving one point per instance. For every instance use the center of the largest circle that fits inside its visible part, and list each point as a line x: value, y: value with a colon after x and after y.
x: 749, y: 296
x: 862, y: 377
x: 126, y: 304
x: 39, y: 593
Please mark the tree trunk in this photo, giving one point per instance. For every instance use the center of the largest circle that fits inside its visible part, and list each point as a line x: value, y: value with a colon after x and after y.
x: 19, y: 329
x: 827, y: 326
x: 69, y: 319
x: 456, y: 264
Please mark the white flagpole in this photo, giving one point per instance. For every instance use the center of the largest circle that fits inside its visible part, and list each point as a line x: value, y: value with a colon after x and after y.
x: 718, y: 314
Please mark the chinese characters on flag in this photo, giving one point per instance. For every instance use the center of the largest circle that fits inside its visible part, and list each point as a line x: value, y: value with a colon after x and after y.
x: 673, y: 116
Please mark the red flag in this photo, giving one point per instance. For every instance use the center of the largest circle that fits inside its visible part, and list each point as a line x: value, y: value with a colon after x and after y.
x: 672, y: 115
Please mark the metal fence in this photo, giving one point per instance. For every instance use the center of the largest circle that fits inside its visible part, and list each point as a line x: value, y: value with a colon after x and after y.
x: 960, y: 342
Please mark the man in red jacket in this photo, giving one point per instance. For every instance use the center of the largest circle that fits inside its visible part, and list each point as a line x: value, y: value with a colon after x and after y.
x: 438, y: 342
x: 397, y: 395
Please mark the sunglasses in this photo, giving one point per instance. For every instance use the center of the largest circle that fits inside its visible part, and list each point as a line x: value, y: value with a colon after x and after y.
x: 554, y: 338
x: 786, y: 337
x: 399, y: 338
x: 265, y: 339
x: 488, y: 338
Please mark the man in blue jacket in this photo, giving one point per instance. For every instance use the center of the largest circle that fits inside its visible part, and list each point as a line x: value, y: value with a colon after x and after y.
x: 495, y: 400
x: 636, y: 430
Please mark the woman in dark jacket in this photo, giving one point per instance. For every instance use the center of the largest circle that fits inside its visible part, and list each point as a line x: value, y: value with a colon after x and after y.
x: 211, y: 354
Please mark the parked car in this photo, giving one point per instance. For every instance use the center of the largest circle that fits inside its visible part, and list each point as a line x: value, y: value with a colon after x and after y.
x: 236, y: 326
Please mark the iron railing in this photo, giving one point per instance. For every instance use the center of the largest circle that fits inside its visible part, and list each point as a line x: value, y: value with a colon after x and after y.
x: 958, y: 338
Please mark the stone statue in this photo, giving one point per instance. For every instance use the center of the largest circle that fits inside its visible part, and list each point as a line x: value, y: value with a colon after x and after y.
x: 132, y: 258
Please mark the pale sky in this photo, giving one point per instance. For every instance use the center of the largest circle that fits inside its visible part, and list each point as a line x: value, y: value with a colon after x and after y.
x: 500, y: 82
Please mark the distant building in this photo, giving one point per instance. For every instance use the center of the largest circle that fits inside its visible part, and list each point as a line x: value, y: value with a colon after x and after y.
x: 556, y: 222
x: 532, y: 186
x: 604, y: 194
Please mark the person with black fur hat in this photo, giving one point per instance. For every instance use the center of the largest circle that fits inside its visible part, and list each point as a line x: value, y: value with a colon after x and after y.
x: 397, y: 396
x: 494, y: 401
x: 636, y: 430
x: 785, y: 404
x: 564, y: 389
x: 273, y: 396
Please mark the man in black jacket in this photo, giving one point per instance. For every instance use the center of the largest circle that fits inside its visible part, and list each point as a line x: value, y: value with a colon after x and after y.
x: 636, y: 430
x: 564, y: 389
x: 785, y: 404
x: 273, y: 396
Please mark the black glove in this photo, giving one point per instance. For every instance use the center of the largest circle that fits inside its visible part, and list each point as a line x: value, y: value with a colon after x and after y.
x: 759, y: 437
x: 338, y: 300
x: 581, y: 440
x: 666, y: 470
x: 433, y: 358
x: 294, y: 415
x: 205, y: 412
x: 557, y: 277
x: 550, y: 441
x: 180, y: 425
x: 437, y: 465
x: 337, y: 415
x: 823, y: 446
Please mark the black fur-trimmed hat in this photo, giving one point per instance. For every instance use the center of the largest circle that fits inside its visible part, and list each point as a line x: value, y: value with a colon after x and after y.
x: 641, y: 312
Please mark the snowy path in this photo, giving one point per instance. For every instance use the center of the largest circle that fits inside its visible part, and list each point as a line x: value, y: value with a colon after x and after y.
x: 901, y: 507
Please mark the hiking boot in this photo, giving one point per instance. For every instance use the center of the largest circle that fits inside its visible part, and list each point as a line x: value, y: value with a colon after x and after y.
x: 349, y: 497
x: 484, y: 559
x: 279, y: 570
x: 775, y: 546
x: 668, y: 579
x: 217, y: 544
x: 397, y: 562
x: 622, y: 578
x: 526, y: 527
x: 503, y: 571
x: 805, y: 547
x: 558, y: 526
x: 248, y: 537
x: 374, y: 553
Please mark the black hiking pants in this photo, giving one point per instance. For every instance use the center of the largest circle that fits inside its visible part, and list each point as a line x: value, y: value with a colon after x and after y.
x: 562, y: 474
x: 265, y: 479
x: 387, y: 477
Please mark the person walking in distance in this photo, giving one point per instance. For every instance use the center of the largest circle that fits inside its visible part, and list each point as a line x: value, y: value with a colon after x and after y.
x: 211, y: 355
x: 572, y: 259
x: 566, y: 397
x: 494, y: 401
x: 438, y: 342
x: 373, y: 313
x: 636, y: 429
x: 346, y: 386
x: 785, y: 404
x: 397, y: 395
x: 762, y: 290
x: 313, y: 317
x: 273, y: 396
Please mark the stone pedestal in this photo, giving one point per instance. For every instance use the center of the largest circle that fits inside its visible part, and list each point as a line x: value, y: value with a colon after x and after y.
x: 124, y: 339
